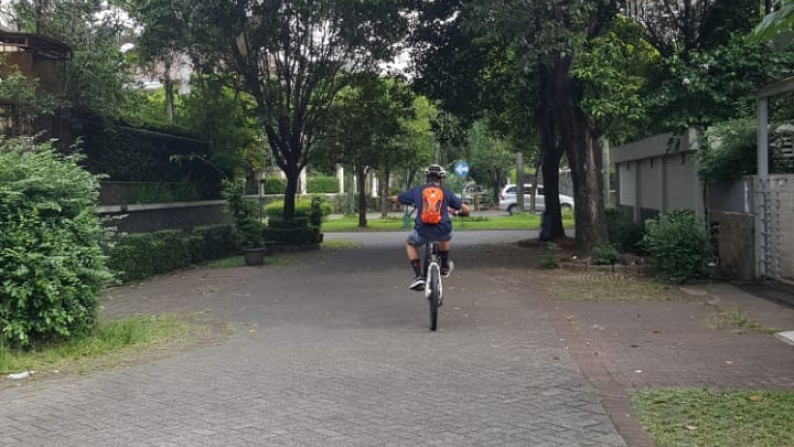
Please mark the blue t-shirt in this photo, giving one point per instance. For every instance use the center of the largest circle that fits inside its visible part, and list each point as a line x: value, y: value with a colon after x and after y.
x: 414, y: 197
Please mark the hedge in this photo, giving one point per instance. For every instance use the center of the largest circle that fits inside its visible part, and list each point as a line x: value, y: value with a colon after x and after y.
x: 302, y: 208
x: 275, y: 186
x: 306, y: 235
x: 323, y: 185
x: 141, y: 255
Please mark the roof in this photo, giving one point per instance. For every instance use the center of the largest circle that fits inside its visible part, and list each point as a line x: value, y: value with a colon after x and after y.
x: 46, y: 46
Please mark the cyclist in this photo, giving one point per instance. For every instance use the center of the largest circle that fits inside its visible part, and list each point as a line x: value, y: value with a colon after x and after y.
x: 432, y: 220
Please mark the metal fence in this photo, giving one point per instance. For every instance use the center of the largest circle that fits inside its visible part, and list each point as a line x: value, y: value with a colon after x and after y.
x: 14, y: 120
x: 775, y: 227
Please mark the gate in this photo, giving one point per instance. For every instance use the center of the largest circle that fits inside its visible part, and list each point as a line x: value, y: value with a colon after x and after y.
x: 775, y: 202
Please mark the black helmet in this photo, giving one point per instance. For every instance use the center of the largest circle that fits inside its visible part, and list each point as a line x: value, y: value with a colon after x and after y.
x: 436, y: 170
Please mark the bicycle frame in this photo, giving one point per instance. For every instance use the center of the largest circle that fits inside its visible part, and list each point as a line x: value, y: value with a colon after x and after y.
x: 432, y: 264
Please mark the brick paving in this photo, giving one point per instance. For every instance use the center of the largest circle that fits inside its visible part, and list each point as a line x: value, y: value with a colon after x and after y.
x: 332, y: 352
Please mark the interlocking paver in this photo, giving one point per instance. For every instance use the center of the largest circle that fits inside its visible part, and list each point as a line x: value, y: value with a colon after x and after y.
x: 339, y: 355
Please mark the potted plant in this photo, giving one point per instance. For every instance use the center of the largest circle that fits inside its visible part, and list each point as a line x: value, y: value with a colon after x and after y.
x: 248, y: 229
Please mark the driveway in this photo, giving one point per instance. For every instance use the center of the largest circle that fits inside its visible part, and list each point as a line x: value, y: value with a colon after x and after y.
x: 334, y: 351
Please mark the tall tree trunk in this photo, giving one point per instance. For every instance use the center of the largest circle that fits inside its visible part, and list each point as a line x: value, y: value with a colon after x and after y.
x: 551, y: 223
x: 496, y: 186
x: 384, y: 190
x: 578, y: 140
x: 169, y: 91
x: 293, y: 181
x: 362, y: 197
x: 350, y: 204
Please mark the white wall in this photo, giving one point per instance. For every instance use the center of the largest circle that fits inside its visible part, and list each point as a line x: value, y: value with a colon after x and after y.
x: 659, y: 173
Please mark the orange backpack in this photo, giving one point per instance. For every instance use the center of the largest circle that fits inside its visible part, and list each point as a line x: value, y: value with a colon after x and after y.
x: 432, y: 201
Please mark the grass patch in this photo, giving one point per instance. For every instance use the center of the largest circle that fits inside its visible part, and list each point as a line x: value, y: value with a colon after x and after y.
x: 736, y: 319
x: 339, y: 244
x: 276, y: 259
x: 589, y: 286
x: 227, y: 263
x: 524, y: 221
x: 700, y: 417
x: 108, y: 345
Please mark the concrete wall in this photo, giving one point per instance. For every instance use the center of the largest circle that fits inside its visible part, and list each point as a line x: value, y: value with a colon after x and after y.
x: 148, y: 218
x: 733, y: 209
x: 658, y: 174
x: 735, y: 244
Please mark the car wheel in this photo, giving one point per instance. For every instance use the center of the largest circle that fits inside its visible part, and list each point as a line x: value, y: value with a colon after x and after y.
x: 511, y: 209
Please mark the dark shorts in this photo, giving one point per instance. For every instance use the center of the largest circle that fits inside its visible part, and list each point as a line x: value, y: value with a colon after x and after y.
x: 417, y: 240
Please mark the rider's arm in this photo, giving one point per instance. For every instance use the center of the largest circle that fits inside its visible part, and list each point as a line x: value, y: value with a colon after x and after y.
x: 406, y: 198
x: 456, y: 203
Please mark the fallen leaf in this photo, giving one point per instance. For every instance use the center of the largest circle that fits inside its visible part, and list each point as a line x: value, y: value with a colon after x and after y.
x: 252, y: 330
x: 657, y: 332
x: 660, y: 401
x: 691, y: 427
x: 729, y: 362
x: 639, y: 371
x: 756, y: 398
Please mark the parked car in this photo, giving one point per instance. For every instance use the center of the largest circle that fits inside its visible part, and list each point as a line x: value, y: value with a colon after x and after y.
x: 508, y: 202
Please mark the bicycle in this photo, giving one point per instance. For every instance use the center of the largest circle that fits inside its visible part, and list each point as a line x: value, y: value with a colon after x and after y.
x: 434, y: 290
x: 431, y: 270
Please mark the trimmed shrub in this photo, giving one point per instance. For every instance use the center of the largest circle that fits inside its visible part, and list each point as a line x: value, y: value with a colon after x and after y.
x: 141, y: 255
x: 275, y: 186
x: 323, y: 185
x: 678, y: 244
x: 303, y: 207
x: 51, y: 263
x: 306, y: 235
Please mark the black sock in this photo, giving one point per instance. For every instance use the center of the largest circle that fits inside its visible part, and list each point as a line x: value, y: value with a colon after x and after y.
x: 417, y: 267
x: 444, y: 255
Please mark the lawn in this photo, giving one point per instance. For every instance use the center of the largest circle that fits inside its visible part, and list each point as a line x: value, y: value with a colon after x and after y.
x: 516, y: 222
x: 110, y: 344
x: 700, y: 417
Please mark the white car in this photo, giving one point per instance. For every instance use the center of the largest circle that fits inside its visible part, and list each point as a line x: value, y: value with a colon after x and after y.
x: 508, y: 202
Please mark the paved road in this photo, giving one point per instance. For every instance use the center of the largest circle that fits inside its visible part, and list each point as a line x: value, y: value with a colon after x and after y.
x: 333, y: 352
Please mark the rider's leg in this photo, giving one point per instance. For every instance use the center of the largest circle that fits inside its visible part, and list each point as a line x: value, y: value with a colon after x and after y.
x: 443, y: 253
x: 413, y: 257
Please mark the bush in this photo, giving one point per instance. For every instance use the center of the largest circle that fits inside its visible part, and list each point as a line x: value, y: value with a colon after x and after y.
x: 51, y: 263
x: 551, y: 257
x: 323, y: 185
x: 731, y: 150
x: 624, y: 234
x: 275, y: 210
x: 605, y: 254
x: 141, y: 255
x: 678, y: 244
x: 275, y: 186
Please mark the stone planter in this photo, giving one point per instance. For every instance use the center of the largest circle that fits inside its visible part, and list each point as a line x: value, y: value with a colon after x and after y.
x: 256, y: 255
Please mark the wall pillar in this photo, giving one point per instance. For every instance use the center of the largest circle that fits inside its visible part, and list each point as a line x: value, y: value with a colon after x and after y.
x: 304, y: 182
x: 340, y: 176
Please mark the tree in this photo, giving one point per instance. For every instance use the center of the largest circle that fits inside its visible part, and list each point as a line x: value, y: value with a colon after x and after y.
x: 294, y: 57
x: 363, y: 132
x: 547, y: 36
x: 490, y: 156
x: 97, y: 72
x: 163, y: 37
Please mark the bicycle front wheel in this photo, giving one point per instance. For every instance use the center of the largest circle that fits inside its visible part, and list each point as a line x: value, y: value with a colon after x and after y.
x: 434, y: 297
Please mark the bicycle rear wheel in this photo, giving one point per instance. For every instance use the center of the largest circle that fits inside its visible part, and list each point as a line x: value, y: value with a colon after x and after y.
x: 434, y: 287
